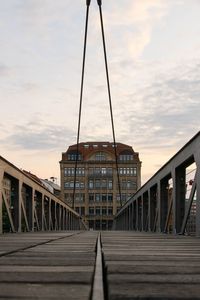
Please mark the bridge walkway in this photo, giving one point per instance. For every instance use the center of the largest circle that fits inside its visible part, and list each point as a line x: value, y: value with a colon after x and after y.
x: 136, y: 265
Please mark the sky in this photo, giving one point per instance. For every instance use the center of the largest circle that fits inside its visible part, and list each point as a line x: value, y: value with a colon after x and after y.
x: 153, y: 49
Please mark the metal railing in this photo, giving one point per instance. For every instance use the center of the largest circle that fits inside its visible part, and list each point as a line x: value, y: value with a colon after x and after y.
x: 26, y: 205
x: 161, y: 205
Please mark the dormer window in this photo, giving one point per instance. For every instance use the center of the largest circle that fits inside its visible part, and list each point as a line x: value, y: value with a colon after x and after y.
x: 73, y: 156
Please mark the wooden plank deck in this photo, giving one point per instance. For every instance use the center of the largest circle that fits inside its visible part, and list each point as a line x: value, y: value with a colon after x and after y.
x: 151, y: 266
x: 47, y: 265
x: 61, y: 265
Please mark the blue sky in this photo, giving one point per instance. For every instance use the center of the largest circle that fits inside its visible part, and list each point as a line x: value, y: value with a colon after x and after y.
x: 154, y: 61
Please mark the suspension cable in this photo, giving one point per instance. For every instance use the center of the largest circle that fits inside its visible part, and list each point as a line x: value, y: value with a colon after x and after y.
x: 81, y: 100
x: 109, y: 96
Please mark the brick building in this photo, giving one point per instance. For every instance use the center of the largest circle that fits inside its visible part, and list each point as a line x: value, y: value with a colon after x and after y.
x: 97, y: 196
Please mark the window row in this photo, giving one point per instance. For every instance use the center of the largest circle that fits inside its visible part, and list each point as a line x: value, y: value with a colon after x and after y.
x: 128, y: 171
x: 73, y: 156
x: 79, y: 197
x: 128, y: 185
x: 100, y: 197
x: 100, y: 211
x: 96, y: 197
x: 100, y: 184
x: 100, y: 171
x: 70, y: 185
x: 126, y: 157
x: 71, y: 171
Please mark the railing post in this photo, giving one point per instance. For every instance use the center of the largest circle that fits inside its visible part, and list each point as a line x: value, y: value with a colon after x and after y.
x: 15, y: 191
x: 42, y: 213
x: 137, y: 214
x: 1, y: 201
x: 174, y: 206
x: 197, y: 160
x: 159, y: 206
x: 142, y: 212
x: 180, y: 189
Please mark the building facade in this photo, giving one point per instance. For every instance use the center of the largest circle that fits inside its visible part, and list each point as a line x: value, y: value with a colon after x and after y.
x: 97, y: 197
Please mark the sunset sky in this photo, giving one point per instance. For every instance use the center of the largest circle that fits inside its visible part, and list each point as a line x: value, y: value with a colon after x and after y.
x: 154, y: 63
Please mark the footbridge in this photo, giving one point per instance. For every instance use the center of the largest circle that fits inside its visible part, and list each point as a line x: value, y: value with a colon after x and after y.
x: 153, y: 251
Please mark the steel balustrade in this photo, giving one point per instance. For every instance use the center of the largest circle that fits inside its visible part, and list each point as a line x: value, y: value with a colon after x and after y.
x: 160, y: 207
x: 26, y: 205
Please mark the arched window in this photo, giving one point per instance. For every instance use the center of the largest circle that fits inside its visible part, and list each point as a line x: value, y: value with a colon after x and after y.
x: 100, y: 156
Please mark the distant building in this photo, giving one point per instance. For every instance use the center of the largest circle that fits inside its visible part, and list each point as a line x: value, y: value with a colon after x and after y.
x: 97, y: 196
x: 48, y: 184
x: 53, y: 187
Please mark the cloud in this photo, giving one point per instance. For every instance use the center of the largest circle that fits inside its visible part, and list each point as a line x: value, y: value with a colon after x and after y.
x: 38, y: 136
x: 4, y: 70
x: 164, y: 110
x: 134, y: 23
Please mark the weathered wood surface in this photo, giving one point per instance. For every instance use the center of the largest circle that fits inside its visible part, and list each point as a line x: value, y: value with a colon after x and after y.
x: 60, y: 265
x: 47, y: 265
x: 151, y: 266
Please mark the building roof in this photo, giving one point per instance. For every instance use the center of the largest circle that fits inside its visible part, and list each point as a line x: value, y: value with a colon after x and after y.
x: 87, y: 148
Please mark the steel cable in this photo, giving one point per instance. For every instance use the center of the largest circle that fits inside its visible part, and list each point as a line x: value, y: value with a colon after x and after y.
x: 81, y: 100
x: 109, y: 96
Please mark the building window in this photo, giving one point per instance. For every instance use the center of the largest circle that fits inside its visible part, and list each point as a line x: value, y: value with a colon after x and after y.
x: 97, y: 171
x: 70, y: 185
x: 110, y: 184
x: 91, y: 184
x: 98, y: 210
x: 104, y: 210
x: 104, y: 197
x: 110, y: 210
x: 80, y: 171
x: 91, y: 210
x: 128, y: 171
x: 104, y: 184
x: 110, y: 197
x: 91, y: 197
x: 100, y: 156
x: 97, y: 197
x: 103, y: 171
x: 126, y: 157
x: 70, y: 171
x: 73, y: 156
x: 97, y: 183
